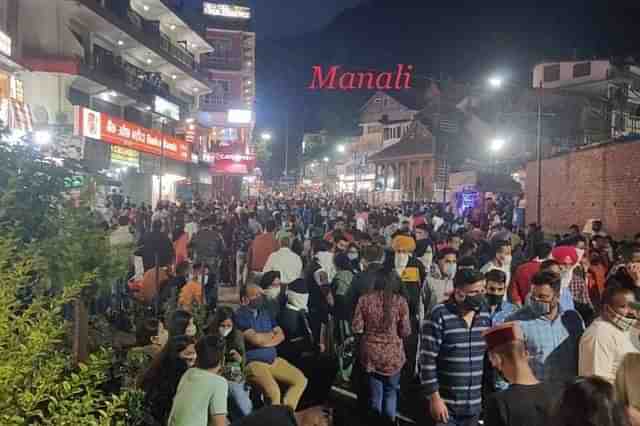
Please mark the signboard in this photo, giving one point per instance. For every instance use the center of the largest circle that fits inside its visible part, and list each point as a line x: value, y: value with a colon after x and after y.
x: 125, y: 157
x: 5, y: 44
x: 115, y: 131
x: 226, y: 10
x: 239, y: 116
x: 166, y: 108
x: 233, y: 163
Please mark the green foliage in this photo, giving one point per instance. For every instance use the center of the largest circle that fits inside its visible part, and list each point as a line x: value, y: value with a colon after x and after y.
x: 31, y: 193
x: 38, y: 383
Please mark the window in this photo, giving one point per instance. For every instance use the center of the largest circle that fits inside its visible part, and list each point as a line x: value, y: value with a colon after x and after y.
x: 222, y: 48
x: 552, y: 73
x: 220, y: 93
x: 582, y: 70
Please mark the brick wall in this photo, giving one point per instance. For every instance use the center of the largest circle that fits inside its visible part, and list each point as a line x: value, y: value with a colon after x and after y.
x: 599, y: 182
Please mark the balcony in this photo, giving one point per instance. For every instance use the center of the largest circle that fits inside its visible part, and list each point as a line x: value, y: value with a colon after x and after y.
x: 625, y: 125
x: 116, y: 73
x: 221, y: 63
x: 148, y: 34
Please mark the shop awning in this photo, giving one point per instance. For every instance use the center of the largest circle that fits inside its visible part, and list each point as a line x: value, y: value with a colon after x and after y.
x: 16, y: 115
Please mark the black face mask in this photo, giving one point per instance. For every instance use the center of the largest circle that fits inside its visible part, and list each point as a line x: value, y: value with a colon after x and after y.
x: 421, y: 247
x: 475, y: 303
x: 494, y: 299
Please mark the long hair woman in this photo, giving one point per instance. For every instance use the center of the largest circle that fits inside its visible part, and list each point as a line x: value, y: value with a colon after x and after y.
x: 589, y: 402
x: 382, y: 318
x: 160, y: 380
x: 233, y: 362
x: 628, y: 386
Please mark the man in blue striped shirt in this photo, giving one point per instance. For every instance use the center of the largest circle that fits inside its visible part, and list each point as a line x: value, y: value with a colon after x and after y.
x: 451, y: 359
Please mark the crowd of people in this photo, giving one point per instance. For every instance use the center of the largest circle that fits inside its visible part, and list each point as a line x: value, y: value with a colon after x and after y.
x: 450, y: 320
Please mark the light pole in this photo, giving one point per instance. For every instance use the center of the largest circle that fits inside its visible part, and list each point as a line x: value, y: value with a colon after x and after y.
x: 496, y: 82
x: 496, y: 146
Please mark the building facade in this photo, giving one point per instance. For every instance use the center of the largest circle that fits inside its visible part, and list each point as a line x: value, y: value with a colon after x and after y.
x: 125, y: 87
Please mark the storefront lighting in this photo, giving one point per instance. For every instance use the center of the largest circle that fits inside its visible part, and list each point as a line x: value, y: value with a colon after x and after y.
x: 145, y: 8
x: 120, y: 42
x: 189, y: 120
x: 172, y: 27
x: 192, y: 127
x: 113, y: 93
x: 194, y: 46
x: 147, y: 108
x: 195, y: 89
x: 249, y: 82
x: 249, y: 63
x: 149, y: 60
x: 325, y: 159
x: 173, y: 76
x: 42, y: 137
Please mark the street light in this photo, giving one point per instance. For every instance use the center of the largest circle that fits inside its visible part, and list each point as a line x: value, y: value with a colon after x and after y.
x: 341, y: 148
x: 497, y: 144
x: 325, y: 159
x: 266, y: 136
x: 495, y: 82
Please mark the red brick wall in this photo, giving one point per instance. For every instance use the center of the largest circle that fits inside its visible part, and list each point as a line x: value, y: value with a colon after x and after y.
x: 600, y: 182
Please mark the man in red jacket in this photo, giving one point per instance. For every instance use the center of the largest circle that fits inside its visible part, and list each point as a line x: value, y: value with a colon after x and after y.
x: 521, y: 281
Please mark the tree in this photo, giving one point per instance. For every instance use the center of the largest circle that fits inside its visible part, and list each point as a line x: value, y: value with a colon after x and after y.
x: 39, y: 382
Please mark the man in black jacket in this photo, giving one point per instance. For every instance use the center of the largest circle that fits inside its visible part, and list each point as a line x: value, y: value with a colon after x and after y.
x: 156, y: 248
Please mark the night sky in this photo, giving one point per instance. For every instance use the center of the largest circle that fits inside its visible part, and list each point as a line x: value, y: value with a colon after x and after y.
x: 459, y: 39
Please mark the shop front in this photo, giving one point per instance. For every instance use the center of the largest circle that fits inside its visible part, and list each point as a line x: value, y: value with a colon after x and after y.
x: 149, y: 165
x: 16, y: 116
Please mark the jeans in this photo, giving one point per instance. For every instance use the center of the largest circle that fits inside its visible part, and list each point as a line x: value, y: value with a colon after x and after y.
x: 384, y: 394
x: 241, y: 404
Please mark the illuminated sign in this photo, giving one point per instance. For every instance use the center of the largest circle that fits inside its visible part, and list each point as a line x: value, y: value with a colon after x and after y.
x: 166, y: 108
x: 115, y: 131
x: 226, y: 10
x: 239, y: 116
x: 5, y: 44
x: 124, y: 156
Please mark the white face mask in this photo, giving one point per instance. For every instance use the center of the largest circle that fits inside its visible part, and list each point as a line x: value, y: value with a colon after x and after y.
x: 191, y: 329
x: 272, y: 292
x: 225, y: 331
x: 565, y: 277
x: 402, y: 259
x: 297, y: 301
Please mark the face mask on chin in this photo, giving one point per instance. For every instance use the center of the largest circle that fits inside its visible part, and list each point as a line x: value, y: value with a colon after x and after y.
x: 225, y: 331
x: 538, y: 307
x: 621, y: 322
x: 402, y: 259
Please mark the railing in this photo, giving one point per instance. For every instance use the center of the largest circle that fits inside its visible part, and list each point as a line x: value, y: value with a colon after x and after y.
x: 151, y: 29
x: 133, y: 77
x: 625, y: 124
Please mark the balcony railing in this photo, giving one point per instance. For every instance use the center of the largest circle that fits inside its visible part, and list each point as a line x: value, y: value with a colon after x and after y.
x: 227, y: 63
x: 135, y: 78
x: 150, y: 28
x: 625, y: 124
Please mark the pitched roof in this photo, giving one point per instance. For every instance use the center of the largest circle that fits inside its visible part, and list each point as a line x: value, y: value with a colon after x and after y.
x: 418, y: 141
x: 412, y: 98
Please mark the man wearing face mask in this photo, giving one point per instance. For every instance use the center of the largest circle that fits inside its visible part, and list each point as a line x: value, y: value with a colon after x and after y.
x: 551, y: 332
x: 606, y: 341
x: 496, y: 289
x: 501, y: 259
x: 262, y: 335
x: 274, y: 297
x: 440, y: 278
x: 452, y: 353
x: 526, y: 402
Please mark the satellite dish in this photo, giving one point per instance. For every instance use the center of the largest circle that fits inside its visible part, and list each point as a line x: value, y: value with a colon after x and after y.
x: 40, y: 115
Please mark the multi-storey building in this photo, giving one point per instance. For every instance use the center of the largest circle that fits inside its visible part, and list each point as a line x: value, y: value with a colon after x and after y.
x: 153, y: 95
x: 228, y: 108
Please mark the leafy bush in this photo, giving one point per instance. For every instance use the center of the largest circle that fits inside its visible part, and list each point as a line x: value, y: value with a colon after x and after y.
x: 38, y: 382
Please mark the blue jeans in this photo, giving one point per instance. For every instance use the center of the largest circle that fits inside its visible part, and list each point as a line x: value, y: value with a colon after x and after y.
x: 241, y: 404
x: 384, y: 394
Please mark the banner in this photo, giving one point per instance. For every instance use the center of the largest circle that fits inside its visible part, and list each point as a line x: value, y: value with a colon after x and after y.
x: 116, y: 131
